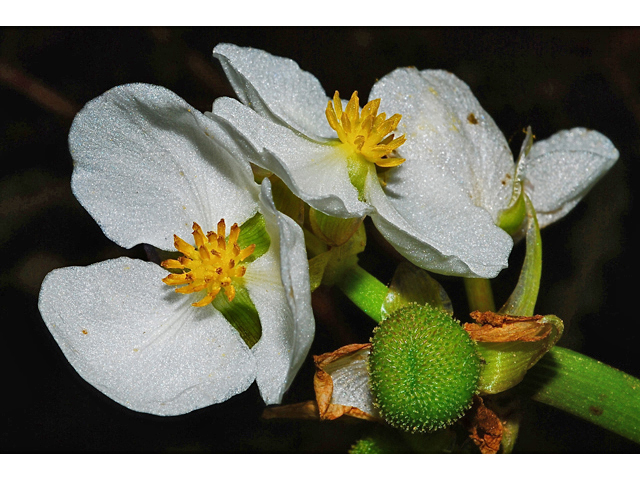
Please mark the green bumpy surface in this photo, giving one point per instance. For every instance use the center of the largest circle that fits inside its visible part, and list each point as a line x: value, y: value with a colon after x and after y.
x: 424, y: 369
x: 366, y: 446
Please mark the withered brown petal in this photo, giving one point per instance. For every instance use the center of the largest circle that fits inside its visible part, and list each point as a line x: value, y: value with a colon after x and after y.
x: 323, y: 385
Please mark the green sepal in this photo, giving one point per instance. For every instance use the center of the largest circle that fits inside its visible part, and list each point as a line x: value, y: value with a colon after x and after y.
x: 522, y: 300
x: 511, y: 218
x: 241, y: 313
x: 411, y: 284
x: 506, y: 363
x: 254, y: 231
x: 285, y: 201
x: 259, y: 173
x: 317, y: 251
x: 317, y: 266
x: 333, y: 231
x: 314, y: 245
x: 329, y: 267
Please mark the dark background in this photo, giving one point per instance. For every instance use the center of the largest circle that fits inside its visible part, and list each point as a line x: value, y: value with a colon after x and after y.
x: 550, y: 79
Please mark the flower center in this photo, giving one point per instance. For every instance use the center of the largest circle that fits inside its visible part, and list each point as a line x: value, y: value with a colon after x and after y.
x: 368, y: 133
x: 211, y: 265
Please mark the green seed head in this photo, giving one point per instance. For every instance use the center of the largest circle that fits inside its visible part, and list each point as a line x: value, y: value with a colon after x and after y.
x: 424, y: 369
x: 367, y: 445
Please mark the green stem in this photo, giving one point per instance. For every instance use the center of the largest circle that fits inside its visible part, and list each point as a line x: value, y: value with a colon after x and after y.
x: 564, y: 379
x: 588, y: 389
x: 365, y: 290
x: 479, y: 294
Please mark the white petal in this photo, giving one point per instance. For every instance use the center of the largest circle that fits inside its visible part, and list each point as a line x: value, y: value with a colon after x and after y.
x: 273, y: 350
x: 278, y: 283
x: 294, y: 274
x: 436, y: 226
x: 140, y: 343
x: 350, y: 377
x: 315, y: 172
x: 559, y: 171
x: 277, y: 88
x: 146, y: 166
x: 446, y: 127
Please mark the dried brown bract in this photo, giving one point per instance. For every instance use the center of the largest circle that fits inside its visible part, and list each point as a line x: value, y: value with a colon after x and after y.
x: 495, y: 328
x: 484, y: 426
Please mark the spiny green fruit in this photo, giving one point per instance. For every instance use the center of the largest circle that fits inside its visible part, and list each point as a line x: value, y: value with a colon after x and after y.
x: 367, y: 445
x: 424, y: 369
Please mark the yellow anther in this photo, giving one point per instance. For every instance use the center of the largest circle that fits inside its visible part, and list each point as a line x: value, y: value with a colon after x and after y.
x: 368, y: 133
x: 211, y: 266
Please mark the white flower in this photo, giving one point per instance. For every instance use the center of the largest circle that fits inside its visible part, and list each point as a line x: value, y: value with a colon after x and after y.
x: 446, y: 127
x: 147, y: 166
x: 439, y: 208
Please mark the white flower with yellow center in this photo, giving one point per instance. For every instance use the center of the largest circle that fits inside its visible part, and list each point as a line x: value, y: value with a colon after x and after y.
x: 229, y: 310
x: 435, y: 187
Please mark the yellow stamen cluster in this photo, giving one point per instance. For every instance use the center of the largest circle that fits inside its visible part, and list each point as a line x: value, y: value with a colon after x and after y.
x: 211, y: 265
x: 367, y: 132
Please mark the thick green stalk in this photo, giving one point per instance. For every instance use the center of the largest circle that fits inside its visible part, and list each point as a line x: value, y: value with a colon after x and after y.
x: 365, y: 290
x: 479, y: 294
x: 563, y: 378
x: 588, y: 389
